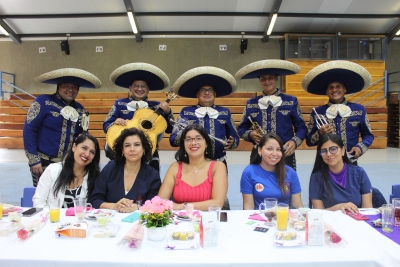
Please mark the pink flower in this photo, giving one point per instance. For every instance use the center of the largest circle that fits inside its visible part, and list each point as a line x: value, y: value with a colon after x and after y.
x: 23, y: 233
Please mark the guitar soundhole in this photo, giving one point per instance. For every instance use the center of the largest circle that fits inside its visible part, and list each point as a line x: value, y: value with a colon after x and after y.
x: 147, y: 124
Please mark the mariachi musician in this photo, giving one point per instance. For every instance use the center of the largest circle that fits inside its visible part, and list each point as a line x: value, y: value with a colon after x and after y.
x: 139, y: 78
x: 273, y: 111
x: 205, y: 84
x: 348, y: 120
x: 54, y: 121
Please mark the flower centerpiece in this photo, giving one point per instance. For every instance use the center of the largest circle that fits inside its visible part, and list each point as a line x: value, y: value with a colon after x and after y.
x: 156, y: 214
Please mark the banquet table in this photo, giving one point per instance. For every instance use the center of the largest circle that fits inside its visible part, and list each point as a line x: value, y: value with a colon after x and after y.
x: 238, y: 245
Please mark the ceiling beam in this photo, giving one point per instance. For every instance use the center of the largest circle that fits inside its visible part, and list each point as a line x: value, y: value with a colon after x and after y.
x: 204, y: 14
x: 15, y: 37
x: 275, y: 9
x: 393, y: 32
x: 129, y: 8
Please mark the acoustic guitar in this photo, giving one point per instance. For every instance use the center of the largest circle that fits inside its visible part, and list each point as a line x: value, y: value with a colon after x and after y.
x: 149, y: 121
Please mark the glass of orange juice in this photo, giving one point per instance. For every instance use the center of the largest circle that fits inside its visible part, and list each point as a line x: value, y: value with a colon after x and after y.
x: 54, y: 207
x: 282, y: 216
x: 1, y: 208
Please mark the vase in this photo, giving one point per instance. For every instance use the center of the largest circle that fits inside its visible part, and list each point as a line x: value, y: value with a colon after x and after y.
x: 157, y: 233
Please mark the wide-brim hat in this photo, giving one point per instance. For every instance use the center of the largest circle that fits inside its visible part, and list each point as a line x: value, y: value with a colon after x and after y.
x: 354, y: 76
x: 155, y: 78
x: 268, y: 66
x: 70, y: 75
x: 189, y: 82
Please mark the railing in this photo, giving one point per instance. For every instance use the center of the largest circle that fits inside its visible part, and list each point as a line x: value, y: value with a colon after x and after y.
x: 384, y: 88
x: 12, y: 85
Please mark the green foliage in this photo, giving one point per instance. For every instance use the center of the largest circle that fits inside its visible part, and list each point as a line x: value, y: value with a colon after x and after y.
x: 152, y: 220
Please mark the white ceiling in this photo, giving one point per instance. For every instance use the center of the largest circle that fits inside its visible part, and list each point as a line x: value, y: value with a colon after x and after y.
x: 365, y: 17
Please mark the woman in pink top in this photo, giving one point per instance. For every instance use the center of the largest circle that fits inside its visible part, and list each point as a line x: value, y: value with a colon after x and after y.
x: 195, y: 178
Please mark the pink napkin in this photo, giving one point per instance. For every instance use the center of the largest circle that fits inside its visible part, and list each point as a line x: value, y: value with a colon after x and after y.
x: 183, y: 213
x: 71, y: 211
x: 257, y: 217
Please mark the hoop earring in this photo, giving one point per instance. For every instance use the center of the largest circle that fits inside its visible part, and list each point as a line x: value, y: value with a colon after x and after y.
x: 206, y: 151
x: 185, y: 155
x: 123, y: 155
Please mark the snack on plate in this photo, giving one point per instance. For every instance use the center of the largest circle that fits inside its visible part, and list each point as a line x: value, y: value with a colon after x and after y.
x: 377, y: 223
x: 285, y: 236
x: 333, y: 237
x: 9, y: 208
x: 183, y: 235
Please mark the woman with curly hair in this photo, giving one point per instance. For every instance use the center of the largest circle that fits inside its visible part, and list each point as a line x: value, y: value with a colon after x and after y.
x: 72, y: 178
x: 128, y: 178
x: 195, y: 178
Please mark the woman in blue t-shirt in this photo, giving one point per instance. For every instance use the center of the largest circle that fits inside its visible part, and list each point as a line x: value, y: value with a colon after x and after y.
x: 268, y: 177
x: 335, y: 183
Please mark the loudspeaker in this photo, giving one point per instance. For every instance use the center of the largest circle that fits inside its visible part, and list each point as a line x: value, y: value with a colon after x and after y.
x: 64, y: 46
x: 243, y: 45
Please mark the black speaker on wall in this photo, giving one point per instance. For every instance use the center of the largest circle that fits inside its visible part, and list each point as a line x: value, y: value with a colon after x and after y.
x: 64, y: 46
x: 243, y: 45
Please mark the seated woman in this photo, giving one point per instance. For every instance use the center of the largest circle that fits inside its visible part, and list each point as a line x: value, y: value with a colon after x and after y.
x: 72, y: 178
x: 335, y: 183
x: 127, y: 178
x: 268, y: 177
x: 195, y: 178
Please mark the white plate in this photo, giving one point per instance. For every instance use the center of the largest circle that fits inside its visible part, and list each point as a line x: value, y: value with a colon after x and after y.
x: 92, y: 214
x: 299, y: 241
x: 19, y: 210
x: 173, y: 244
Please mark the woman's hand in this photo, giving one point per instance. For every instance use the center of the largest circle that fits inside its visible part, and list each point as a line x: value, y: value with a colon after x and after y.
x: 124, y: 203
x: 128, y: 209
x: 348, y: 206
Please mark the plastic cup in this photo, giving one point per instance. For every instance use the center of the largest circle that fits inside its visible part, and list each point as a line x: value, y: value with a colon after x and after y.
x: 54, y: 209
x: 102, y: 219
x: 387, y: 218
x: 215, y: 208
x: 1, y: 207
x: 189, y: 208
x: 196, y: 224
x: 282, y: 216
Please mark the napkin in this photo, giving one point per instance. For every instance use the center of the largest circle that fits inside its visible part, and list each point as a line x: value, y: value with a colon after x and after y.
x: 71, y: 211
x: 135, y: 236
x: 257, y: 217
x: 183, y: 213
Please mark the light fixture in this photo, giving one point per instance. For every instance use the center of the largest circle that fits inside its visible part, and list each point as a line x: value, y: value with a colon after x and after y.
x: 132, y: 21
x: 4, y: 31
x: 271, y: 25
x: 398, y: 33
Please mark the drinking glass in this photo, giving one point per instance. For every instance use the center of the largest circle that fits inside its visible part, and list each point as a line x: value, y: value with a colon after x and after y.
x: 396, y: 206
x: 215, y: 208
x: 269, y: 210
x: 54, y: 207
x: 189, y: 208
x: 282, y: 215
x: 81, y: 207
x: 387, y: 218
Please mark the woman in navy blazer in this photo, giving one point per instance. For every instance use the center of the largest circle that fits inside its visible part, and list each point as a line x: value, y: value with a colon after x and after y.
x: 128, y: 178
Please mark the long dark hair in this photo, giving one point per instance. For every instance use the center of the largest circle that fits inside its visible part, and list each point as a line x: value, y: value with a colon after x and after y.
x: 320, y: 165
x: 67, y: 172
x: 280, y: 171
x: 119, y: 145
x: 181, y: 155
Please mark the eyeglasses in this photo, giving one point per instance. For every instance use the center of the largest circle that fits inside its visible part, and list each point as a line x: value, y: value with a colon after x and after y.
x: 332, y: 150
x: 209, y: 90
x: 269, y: 77
x: 137, y: 86
x: 197, y: 139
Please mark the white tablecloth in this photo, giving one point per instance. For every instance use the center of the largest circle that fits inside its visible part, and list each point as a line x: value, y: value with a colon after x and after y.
x: 238, y: 245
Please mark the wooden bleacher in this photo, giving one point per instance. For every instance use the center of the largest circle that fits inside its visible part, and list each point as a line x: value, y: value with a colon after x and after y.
x: 99, y: 104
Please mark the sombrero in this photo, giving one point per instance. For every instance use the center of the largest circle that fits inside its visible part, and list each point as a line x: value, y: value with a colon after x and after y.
x: 70, y: 75
x: 155, y: 78
x: 189, y: 82
x: 268, y: 66
x: 354, y: 76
